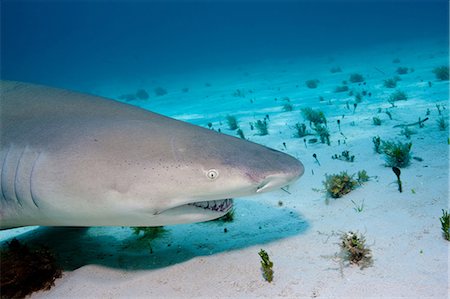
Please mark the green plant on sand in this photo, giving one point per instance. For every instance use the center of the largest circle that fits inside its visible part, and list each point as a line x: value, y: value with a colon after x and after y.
x: 314, y: 116
x: 149, y: 233
x: 337, y: 185
x: 377, y: 144
x: 398, y: 172
x: 335, y: 69
x: 323, y: 133
x: 356, y: 78
x: 398, y: 95
x: 362, y: 177
x: 300, y: 130
x: 445, y: 224
x: 266, y: 265
x: 355, y: 251
x: 288, y: 107
x: 159, y: 91
x: 262, y: 127
x: 407, y: 132
x: 345, y: 156
x: 401, y: 70
x: 376, y: 121
x: 312, y: 83
x: 442, y: 72
x: 240, y: 133
x: 342, y: 88
x: 442, y: 123
x: 396, y: 153
x: 232, y: 122
x: 390, y: 83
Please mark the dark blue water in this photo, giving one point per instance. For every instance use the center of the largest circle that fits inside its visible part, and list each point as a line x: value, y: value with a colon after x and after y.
x: 69, y: 43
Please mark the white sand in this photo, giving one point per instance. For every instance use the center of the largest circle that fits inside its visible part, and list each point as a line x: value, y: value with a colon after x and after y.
x: 411, y: 257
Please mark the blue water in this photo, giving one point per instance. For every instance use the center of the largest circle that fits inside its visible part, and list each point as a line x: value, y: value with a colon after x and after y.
x: 72, y: 43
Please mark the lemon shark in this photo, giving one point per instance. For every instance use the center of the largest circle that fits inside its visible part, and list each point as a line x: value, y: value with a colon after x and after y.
x: 72, y: 159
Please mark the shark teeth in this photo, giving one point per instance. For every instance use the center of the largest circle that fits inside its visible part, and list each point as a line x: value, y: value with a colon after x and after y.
x: 222, y: 205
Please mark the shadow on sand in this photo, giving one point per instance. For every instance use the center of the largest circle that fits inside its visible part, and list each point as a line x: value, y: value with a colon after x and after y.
x: 118, y: 247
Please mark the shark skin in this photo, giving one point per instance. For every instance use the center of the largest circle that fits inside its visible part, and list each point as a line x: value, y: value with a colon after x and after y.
x: 72, y: 159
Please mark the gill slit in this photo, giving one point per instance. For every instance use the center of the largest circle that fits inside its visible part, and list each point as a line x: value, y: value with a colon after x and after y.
x: 33, y: 198
x: 15, y: 178
x: 2, y: 182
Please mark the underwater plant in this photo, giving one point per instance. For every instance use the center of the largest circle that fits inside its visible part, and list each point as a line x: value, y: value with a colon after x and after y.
x: 438, y: 107
x: 159, y: 91
x: 442, y: 72
x: 312, y: 83
x: 355, y: 250
x: 335, y: 69
x: 141, y: 94
x: 262, y: 127
x: 397, y: 172
x: 390, y: 83
x: 445, y: 224
x: 342, y: 88
x: 389, y: 114
x: 396, y: 153
x: 314, y: 116
x: 239, y: 93
x: 362, y: 177
x: 442, y: 123
x: 407, y: 132
x: 316, y: 159
x: 266, y: 265
x: 26, y: 270
x: 337, y: 185
x: 345, y: 156
x: 240, y: 133
x: 323, y: 133
x: 402, y: 70
x: 232, y: 122
x: 288, y: 107
x: 376, y: 121
x: 149, y: 233
x: 358, y: 207
x: 398, y: 95
x: 312, y: 140
x: 300, y: 130
x: 356, y: 78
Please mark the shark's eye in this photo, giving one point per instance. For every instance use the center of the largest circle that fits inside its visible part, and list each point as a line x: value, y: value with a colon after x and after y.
x: 212, y: 174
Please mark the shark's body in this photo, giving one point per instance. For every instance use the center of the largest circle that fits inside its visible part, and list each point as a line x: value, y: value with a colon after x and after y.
x: 70, y: 159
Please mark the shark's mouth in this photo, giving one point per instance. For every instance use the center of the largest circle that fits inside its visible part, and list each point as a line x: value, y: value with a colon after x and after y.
x: 221, y: 206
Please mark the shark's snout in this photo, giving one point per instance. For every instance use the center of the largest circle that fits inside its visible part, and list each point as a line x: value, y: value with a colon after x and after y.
x: 289, y: 173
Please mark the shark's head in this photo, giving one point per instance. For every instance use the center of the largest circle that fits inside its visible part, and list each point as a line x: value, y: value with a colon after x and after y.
x: 158, y: 172
x: 217, y: 168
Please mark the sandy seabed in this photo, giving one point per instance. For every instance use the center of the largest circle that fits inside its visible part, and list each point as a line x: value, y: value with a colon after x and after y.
x: 301, y: 236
